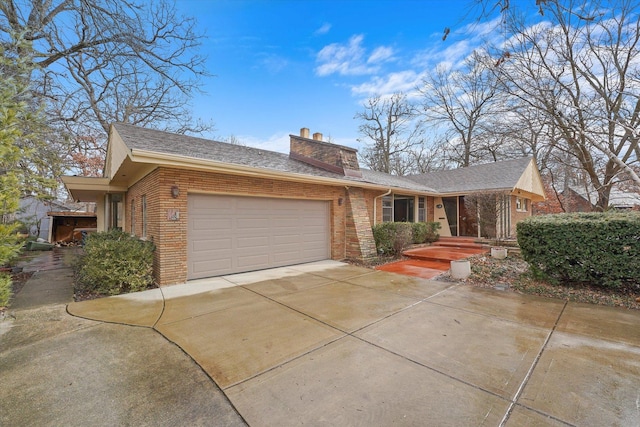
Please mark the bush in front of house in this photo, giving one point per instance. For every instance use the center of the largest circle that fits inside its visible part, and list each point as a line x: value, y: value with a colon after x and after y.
x: 425, y: 232
x: 600, y: 249
x: 393, y: 237
x: 115, y: 263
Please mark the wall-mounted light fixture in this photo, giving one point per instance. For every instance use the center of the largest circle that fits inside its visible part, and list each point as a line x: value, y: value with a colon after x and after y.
x: 439, y: 206
x: 340, y: 201
x: 175, y: 191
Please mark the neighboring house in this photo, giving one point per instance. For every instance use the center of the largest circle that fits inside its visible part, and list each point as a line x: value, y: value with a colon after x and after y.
x: 577, y: 199
x: 213, y: 208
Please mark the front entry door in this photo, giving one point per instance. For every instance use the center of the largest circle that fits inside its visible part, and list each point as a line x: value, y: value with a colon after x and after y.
x: 451, y: 209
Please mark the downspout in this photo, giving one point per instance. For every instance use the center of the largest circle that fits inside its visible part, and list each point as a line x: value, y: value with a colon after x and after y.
x: 375, y: 205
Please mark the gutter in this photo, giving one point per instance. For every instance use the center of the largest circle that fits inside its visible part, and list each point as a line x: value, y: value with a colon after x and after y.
x: 179, y: 161
x: 375, y: 205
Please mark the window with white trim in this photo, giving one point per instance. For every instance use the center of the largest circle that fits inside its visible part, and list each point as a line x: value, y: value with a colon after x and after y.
x: 387, y: 209
x: 133, y: 217
x: 144, y: 216
x: 422, y: 211
x: 522, y: 204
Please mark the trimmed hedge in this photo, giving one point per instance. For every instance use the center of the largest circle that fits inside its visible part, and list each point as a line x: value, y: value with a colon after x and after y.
x: 115, y: 263
x: 393, y: 237
x: 601, y: 249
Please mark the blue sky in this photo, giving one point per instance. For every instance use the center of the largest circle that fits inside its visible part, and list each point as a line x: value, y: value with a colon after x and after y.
x: 285, y: 64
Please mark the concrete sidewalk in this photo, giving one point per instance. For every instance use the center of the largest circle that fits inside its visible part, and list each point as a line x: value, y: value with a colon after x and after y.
x: 333, y: 344
x: 58, y: 369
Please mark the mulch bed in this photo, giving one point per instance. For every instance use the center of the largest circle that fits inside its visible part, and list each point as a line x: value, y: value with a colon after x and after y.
x: 513, y: 273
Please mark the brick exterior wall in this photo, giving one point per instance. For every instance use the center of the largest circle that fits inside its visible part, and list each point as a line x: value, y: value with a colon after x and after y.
x: 332, y: 157
x: 431, y: 217
x: 170, y: 237
x: 370, y: 199
x: 350, y: 220
x: 517, y: 216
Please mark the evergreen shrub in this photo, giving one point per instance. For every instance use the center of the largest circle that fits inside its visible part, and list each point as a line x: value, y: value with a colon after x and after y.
x: 425, y: 232
x: 393, y: 237
x: 599, y: 249
x: 115, y: 263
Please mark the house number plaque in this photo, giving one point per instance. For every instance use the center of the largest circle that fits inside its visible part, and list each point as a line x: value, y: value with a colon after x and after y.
x: 173, y: 215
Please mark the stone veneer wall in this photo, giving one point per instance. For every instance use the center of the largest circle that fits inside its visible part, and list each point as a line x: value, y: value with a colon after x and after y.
x: 337, y: 158
x: 359, y: 237
x: 317, y: 150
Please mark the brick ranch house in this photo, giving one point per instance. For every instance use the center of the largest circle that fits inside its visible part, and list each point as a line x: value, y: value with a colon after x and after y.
x: 213, y: 208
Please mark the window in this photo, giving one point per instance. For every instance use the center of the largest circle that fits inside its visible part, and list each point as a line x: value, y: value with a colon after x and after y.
x: 144, y: 216
x: 133, y: 217
x: 522, y: 204
x: 422, y: 211
x: 115, y: 211
x: 387, y: 208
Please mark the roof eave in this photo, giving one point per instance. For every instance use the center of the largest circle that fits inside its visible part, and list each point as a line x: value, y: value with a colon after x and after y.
x: 89, y: 189
x: 186, y: 162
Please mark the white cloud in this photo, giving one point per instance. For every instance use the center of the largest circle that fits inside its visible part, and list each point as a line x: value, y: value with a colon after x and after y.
x: 454, y: 54
x: 385, y: 71
x: 278, y: 142
x: 349, y: 59
x: 324, y: 29
x: 402, y: 81
x: 273, y: 63
x: 380, y: 54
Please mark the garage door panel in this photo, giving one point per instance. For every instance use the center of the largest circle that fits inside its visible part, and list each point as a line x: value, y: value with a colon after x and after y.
x: 232, y: 234
x: 289, y: 239
x: 204, y: 223
x: 284, y: 256
x: 313, y: 237
x: 252, y: 222
x: 284, y: 222
x: 205, y: 267
x: 211, y: 246
x: 220, y: 207
x: 252, y: 242
x: 253, y: 262
x: 314, y: 222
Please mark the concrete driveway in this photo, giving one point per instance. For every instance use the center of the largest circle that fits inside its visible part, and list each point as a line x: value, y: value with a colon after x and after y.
x: 334, y: 344
x: 61, y: 370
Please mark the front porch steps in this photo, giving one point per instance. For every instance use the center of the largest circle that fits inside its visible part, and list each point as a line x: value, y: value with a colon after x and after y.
x: 447, y: 249
x: 459, y: 242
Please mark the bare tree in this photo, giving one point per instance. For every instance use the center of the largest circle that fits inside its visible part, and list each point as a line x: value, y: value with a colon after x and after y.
x: 389, y: 125
x: 580, y: 69
x: 459, y: 102
x: 429, y: 158
x: 103, y: 61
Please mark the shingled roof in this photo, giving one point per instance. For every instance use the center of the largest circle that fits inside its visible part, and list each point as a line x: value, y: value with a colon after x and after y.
x: 491, y: 176
x: 494, y: 176
x: 138, y: 138
x: 151, y: 140
x: 388, y: 180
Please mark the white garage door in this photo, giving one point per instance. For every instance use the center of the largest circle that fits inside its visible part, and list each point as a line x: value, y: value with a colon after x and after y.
x: 233, y: 234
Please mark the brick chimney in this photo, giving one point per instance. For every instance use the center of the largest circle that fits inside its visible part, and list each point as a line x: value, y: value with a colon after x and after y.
x: 331, y: 157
